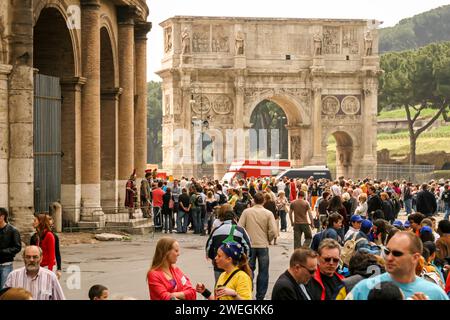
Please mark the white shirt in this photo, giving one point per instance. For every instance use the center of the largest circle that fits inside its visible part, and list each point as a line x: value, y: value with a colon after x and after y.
x: 44, y: 286
x: 336, y: 190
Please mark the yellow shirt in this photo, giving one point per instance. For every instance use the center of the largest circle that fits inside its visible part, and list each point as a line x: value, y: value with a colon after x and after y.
x: 233, y: 200
x: 241, y: 283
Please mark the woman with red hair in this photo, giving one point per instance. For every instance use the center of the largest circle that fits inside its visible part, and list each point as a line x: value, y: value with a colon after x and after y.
x: 45, y: 239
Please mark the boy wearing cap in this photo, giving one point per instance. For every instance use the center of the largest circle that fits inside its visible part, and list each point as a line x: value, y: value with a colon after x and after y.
x: 355, y: 226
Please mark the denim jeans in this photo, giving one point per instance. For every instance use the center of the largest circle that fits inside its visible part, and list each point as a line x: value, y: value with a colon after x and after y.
x: 157, y: 217
x: 182, y: 221
x: 447, y: 211
x: 167, y: 222
x: 197, y: 220
x: 262, y: 281
x: 283, y: 220
x: 4, y: 272
x: 408, y: 206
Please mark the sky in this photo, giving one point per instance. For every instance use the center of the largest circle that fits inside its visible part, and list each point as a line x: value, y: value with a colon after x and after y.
x: 388, y: 11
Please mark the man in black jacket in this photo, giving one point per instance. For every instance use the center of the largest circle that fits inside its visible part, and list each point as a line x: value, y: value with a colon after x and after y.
x: 291, y: 284
x: 426, y: 201
x: 374, y: 201
x: 10, y: 245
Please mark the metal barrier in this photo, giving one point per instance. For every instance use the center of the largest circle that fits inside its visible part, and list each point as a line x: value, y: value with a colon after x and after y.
x: 413, y: 173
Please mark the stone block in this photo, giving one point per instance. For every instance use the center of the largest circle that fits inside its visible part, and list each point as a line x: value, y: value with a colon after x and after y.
x: 22, y: 79
x: 21, y: 195
x: 4, y: 147
x: 109, y: 237
x: 3, y: 170
x: 21, y: 170
x: 90, y: 193
x: 21, y: 140
x: 4, y: 203
x: 23, y: 110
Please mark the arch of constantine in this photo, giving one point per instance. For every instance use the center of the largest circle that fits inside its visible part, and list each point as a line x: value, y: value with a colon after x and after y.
x: 72, y: 105
x: 323, y: 73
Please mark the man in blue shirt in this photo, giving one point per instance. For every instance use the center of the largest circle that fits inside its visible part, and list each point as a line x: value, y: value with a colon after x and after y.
x: 402, y: 255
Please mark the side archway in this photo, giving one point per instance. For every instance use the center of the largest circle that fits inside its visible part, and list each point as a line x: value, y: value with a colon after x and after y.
x: 344, y: 153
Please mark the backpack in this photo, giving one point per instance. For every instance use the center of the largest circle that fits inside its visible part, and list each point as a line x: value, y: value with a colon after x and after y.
x: 222, y: 199
x: 349, y: 249
x: 199, y: 200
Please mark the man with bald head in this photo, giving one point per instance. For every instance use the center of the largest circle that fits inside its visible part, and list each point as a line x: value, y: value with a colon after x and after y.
x: 42, y: 283
x: 402, y: 255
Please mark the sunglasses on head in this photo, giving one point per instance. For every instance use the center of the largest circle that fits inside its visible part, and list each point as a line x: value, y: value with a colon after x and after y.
x: 331, y: 260
x: 395, y: 253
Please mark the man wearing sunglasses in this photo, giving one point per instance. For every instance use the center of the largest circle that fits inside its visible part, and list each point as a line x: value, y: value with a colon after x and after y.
x: 291, y: 284
x: 326, y: 282
x: 402, y: 255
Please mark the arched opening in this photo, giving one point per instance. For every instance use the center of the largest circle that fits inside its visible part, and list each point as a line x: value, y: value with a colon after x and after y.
x: 340, y: 154
x: 55, y: 154
x: 269, y: 136
x: 108, y: 120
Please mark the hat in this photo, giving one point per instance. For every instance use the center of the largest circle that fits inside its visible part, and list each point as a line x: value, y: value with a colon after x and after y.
x: 232, y: 250
x: 426, y: 229
x: 366, y: 225
x: 397, y: 223
x: 407, y: 224
x: 356, y: 218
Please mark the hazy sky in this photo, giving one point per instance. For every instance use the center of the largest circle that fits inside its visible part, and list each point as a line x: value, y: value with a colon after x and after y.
x: 388, y: 11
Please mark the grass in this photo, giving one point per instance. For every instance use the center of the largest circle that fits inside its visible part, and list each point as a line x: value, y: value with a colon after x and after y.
x: 401, y: 114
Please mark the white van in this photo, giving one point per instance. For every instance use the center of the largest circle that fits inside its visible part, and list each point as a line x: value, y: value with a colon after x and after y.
x: 318, y: 172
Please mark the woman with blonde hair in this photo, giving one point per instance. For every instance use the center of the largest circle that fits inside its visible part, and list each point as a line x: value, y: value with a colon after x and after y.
x: 361, y: 209
x: 165, y: 280
x: 235, y: 283
x: 15, y: 294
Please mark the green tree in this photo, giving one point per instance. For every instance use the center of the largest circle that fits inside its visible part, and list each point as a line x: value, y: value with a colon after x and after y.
x: 416, y: 80
x: 154, y: 122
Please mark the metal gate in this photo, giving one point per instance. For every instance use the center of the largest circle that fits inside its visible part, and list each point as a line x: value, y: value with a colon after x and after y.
x: 47, y: 141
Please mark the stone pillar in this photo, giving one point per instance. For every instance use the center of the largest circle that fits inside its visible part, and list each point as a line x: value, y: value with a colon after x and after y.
x: 140, y: 119
x: 109, y: 151
x: 90, y: 110
x: 318, y: 158
x: 71, y: 147
x: 125, y: 17
x: 4, y: 135
x: 369, y: 132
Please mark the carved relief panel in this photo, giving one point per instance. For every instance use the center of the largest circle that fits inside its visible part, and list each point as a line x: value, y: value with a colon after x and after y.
x: 201, y: 104
x: 166, y: 105
x: 341, y: 109
x: 220, y: 39
x: 331, y: 40
x: 350, y: 40
x: 222, y: 104
x: 167, y: 39
x: 200, y: 38
x: 295, y: 147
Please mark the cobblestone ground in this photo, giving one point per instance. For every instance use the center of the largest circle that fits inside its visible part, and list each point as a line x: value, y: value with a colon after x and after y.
x: 122, y: 265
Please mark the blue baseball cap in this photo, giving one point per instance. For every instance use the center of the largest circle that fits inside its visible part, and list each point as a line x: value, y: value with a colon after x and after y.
x: 356, y: 218
x: 397, y: 223
x: 366, y: 225
x: 426, y: 229
x: 407, y: 224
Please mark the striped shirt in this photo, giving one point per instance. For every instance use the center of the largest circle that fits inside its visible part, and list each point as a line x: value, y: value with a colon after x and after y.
x: 44, y: 286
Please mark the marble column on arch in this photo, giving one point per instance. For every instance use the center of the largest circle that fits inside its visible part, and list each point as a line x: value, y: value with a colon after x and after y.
x: 90, y: 111
x: 140, y: 109
x: 109, y: 148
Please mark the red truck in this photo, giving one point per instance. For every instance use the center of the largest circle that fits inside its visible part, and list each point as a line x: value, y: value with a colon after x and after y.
x: 255, y: 168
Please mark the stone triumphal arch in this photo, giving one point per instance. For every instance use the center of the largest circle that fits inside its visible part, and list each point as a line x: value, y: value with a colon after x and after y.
x: 323, y: 74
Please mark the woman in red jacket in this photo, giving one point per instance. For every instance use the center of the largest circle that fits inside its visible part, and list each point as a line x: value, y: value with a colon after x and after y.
x: 45, y: 239
x: 165, y: 280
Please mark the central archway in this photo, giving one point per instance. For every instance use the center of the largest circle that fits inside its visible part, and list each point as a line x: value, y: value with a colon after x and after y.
x: 269, y: 136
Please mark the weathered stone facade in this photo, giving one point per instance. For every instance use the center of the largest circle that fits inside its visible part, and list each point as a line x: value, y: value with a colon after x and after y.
x: 97, y: 49
x: 322, y: 73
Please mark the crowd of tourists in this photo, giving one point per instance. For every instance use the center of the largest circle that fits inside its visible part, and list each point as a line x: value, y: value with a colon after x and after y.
x: 350, y: 240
